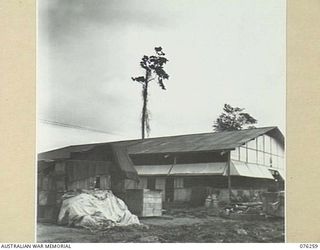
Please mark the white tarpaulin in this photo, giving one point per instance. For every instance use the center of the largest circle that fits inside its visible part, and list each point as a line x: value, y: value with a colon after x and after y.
x: 95, y: 210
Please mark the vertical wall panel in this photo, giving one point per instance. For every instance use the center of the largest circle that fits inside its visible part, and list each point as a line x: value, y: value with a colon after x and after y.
x: 281, y: 163
x: 235, y: 154
x: 260, y: 158
x: 252, y: 156
x: 273, y: 146
x: 178, y: 182
x: 243, y: 154
x: 280, y: 151
x: 260, y: 143
x: 267, y: 142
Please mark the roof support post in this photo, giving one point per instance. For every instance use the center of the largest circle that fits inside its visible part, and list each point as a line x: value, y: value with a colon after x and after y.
x: 228, y: 175
x: 174, y: 163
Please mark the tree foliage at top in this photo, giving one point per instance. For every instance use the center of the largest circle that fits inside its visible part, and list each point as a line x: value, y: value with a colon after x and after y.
x: 233, y: 118
x: 154, y: 71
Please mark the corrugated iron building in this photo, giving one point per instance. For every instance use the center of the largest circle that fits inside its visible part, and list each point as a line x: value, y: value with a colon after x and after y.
x: 184, y: 167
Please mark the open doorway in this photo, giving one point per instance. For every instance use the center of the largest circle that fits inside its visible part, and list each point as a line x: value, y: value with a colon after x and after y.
x: 169, y: 189
x: 151, y: 183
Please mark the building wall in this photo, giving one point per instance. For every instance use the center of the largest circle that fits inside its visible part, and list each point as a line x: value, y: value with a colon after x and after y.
x: 182, y: 194
x: 196, y: 188
x: 82, y: 174
x: 61, y: 176
x: 263, y: 150
x: 90, y: 182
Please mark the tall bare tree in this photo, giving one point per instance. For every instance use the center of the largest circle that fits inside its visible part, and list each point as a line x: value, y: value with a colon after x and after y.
x: 153, y: 67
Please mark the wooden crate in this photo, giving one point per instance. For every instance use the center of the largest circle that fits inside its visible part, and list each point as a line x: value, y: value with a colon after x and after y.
x: 144, y: 202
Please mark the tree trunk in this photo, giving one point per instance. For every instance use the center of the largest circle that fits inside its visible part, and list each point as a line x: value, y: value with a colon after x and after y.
x: 144, y: 110
x: 144, y: 107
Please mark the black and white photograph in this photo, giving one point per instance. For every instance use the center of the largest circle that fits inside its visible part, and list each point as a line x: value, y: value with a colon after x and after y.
x: 161, y: 121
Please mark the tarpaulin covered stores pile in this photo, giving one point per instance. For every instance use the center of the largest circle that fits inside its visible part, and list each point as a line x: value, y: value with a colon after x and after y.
x: 95, y: 210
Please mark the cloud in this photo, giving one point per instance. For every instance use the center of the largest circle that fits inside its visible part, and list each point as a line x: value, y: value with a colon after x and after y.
x: 71, y: 19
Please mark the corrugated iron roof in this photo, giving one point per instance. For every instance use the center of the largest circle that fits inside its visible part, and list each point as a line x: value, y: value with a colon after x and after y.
x: 198, y: 142
x: 213, y: 141
x: 217, y: 141
x: 64, y: 153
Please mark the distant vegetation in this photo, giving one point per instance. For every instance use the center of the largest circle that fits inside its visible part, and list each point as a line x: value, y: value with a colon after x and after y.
x: 233, y: 118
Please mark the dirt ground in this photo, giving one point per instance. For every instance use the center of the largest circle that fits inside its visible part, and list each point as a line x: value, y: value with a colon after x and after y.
x: 192, y: 225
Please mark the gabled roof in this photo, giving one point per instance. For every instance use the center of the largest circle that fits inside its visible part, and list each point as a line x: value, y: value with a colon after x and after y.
x: 65, y: 152
x: 216, y: 141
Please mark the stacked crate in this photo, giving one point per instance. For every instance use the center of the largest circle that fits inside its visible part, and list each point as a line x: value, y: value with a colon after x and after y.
x: 144, y: 202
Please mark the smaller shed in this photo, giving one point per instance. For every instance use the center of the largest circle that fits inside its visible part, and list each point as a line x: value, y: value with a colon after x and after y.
x: 103, y: 166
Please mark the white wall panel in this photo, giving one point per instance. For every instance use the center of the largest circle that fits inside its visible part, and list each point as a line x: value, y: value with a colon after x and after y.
x: 260, y: 158
x: 252, y: 156
x: 235, y: 154
x: 243, y: 154
x: 267, y: 143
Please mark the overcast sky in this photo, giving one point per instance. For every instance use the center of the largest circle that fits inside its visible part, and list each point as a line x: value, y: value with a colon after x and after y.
x: 219, y: 51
